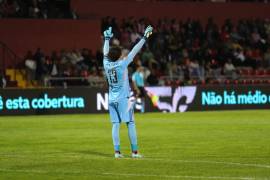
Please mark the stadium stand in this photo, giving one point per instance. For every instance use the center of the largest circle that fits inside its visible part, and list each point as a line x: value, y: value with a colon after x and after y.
x: 36, y: 9
x: 179, y: 52
x: 182, y: 50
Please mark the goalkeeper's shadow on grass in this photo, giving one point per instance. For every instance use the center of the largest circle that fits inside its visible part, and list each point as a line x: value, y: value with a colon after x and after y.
x: 89, y: 152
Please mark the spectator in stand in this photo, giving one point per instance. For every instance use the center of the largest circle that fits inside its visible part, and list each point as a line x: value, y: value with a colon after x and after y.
x: 211, y: 32
x: 250, y: 59
x: 48, y: 66
x: 239, y: 57
x: 30, y: 66
x: 89, y: 61
x: 134, y: 36
x: 229, y: 70
x: 3, y: 81
x: 213, y: 70
x: 36, y: 9
x: 125, y: 38
x: 267, y: 26
x: 94, y: 80
x: 267, y: 58
x: 77, y: 59
x: 147, y: 55
x: 38, y: 57
x: 9, y: 8
x: 175, y: 70
x: 194, y: 70
x: 257, y: 56
x: 54, y: 64
x: 47, y: 69
x: 63, y: 58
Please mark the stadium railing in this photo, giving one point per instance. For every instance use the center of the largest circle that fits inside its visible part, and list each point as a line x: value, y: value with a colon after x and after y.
x: 7, y: 54
x: 252, y: 77
x: 74, y: 81
x: 256, y: 77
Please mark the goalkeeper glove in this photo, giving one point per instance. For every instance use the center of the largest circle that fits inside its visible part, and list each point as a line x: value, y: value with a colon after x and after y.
x: 108, y: 33
x: 148, y: 31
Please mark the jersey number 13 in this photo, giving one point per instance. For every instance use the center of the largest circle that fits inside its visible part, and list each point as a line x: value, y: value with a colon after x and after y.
x: 112, y: 76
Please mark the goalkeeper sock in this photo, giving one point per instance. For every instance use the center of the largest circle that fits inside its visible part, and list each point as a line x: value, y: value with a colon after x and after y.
x: 115, y: 136
x: 143, y: 104
x: 132, y: 136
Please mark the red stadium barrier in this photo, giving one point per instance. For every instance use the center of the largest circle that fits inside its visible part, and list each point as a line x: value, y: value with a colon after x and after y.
x: 179, y: 10
x: 23, y: 35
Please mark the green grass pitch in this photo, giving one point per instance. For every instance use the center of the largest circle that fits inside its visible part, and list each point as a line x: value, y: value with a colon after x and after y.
x: 233, y: 145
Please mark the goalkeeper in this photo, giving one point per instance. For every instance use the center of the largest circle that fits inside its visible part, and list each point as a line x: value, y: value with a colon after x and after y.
x: 120, y: 108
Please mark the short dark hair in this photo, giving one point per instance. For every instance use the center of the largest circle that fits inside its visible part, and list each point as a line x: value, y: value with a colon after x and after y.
x: 114, y: 53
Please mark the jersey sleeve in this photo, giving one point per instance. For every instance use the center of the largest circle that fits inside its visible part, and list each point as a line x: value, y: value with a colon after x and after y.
x: 106, y: 48
x: 134, y: 51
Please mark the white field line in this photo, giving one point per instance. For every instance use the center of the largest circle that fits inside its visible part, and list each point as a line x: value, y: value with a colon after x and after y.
x: 129, y: 175
x: 24, y: 171
x: 212, y: 162
x: 77, y: 155
x: 40, y: 171
x: 178, y: 176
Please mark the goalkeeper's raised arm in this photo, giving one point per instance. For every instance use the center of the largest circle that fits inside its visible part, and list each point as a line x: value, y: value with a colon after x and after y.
x: 147, y: 33
x: 107, y: 36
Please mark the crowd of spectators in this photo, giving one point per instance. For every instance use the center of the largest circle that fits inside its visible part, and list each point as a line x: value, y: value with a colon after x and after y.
x: 36, y: 9
x: 191, y: 50
x: 182, y: 50
x: 75, y: 63
x: 185, y: 50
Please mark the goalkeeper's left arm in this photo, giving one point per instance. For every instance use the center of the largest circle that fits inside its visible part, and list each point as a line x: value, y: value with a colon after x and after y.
x: 139, y: 45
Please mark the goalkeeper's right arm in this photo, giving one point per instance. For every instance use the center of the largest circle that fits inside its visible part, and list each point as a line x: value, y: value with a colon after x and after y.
x: 107, y: 36
x: 106, y: 47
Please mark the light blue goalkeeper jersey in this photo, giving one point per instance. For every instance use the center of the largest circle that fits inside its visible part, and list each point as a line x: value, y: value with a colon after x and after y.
x: 117, y: 72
